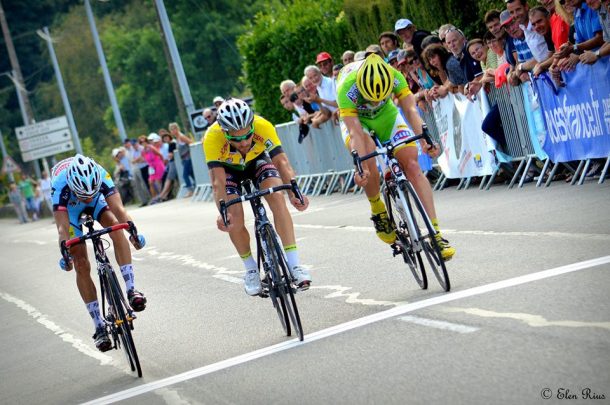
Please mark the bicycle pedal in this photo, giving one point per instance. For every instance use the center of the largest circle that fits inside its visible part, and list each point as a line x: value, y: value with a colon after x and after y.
x: 396, y: 249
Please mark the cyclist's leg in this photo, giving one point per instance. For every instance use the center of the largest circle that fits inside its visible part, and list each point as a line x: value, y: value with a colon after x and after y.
x: 407, y: 157
x: 265, y: 176
x: 379, y: 215
x: 122, y: 253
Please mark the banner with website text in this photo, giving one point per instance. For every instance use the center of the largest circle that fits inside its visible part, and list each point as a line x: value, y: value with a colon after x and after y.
x: 577, y: 116
x: 465, y: 150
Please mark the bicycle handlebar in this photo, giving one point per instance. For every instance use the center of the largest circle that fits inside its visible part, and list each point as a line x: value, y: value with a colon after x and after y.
x: 224, y: 205
x: 95, y: 234
x: 389, y: 148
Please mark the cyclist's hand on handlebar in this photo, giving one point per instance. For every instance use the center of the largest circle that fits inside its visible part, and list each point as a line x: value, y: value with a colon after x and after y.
x: 66, y: 265
x: 362, y: 179
x: 221, y: 225
x: 432, y: 150
x: 296, y: 203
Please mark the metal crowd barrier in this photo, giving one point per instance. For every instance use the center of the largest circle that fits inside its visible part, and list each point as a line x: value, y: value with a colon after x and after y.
x: 203, y: 186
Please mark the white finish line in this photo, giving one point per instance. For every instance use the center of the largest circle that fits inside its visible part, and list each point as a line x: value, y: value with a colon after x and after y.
x: 356, y: 323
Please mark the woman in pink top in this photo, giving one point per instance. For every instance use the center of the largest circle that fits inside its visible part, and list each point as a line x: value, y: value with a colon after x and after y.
x: 156, y: 167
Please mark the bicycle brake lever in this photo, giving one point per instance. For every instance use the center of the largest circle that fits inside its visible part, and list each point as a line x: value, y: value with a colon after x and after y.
x: 296, y: 191
x: 357, y: 162
x: 222, y: 207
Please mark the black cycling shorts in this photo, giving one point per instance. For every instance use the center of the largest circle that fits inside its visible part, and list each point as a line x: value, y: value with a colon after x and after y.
x: 257, y: 170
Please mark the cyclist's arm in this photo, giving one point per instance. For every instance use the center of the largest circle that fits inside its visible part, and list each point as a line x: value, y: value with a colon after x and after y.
x: 62, y: 221
x: 218, y: 178
x: 356, y: 134
x: 281, y: 162
x: 407, y: 104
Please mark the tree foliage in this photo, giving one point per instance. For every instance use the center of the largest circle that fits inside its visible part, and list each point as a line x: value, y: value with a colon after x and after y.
x: 283, y: 40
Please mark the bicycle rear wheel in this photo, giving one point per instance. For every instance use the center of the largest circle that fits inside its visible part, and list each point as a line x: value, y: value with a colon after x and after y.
x: 284, y: 283
x: 397, y: 213
x: 123, y: 323
x: 429, y: 244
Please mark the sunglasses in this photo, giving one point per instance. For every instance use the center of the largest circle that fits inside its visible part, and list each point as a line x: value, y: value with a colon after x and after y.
x: 412, y: 61
x: 240, y: 138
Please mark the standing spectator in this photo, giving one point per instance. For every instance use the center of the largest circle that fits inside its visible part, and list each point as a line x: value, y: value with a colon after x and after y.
x: 139, y: 169
x: 210, y: 116
x: 170, y: 174
x: 524, y: 58
x: 45, y: 188
x: 410, y: 35
x: 486, y: 57
x: 325, y: 63
x: 336, y: 69
x: 218, y: 101
x: 16, y: 199
x: 183, y: 141
x: 560, y: 29
x: 435, y: 57
x: 122, y: 175
x: 540, y: 22
x: 347, y: 57
x: 26, y: 186
x: 442, y: 33
x: 156, y: 167
x: 388, y: 41
x: 462, y: 69
x: 496, y: 45
x: 603, y: 9
x: 327, y: 92
x: 588, y: 35
x: 310, y: 94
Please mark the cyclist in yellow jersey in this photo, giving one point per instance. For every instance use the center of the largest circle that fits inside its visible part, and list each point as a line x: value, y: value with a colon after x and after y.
x: 240, y: 146
x: 364, y: 96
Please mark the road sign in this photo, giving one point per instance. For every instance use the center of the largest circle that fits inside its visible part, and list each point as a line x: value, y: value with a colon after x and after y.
x: 47, y: 151
x: 42, y: 127
x: 9, y: 165
x: 199, y: 123
x: 45, y: 138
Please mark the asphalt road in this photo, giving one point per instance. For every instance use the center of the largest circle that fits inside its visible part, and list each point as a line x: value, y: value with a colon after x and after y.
x: 528, y: 316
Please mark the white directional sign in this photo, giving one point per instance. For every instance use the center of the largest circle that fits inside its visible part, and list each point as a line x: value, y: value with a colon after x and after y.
x: 47, y: 151
x: 44, y: 138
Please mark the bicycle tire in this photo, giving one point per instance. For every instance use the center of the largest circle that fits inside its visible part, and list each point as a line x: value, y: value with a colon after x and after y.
x: 277, y: 300
x: 410, y: 256
x: 430, y: 246
x: 284, y: 287
x: 124, y: 325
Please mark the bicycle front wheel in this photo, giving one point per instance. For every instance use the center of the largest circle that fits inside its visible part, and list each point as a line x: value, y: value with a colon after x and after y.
x: 283, y: 284
x: 398, y: 214
x: 123, y: 323
x: 430, y: 246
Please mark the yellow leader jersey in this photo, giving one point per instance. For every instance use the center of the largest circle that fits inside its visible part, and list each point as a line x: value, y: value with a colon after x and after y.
x: 219, y: 152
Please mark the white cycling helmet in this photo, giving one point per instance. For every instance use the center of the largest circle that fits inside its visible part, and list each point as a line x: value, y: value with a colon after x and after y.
x: 234, y: 115
x: 84, y: 177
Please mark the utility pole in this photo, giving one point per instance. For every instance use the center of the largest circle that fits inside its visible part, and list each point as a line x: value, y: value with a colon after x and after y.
x: 176, y: 63
x: 24, y: 101
x: 62, y: 89
x: 100, y: 54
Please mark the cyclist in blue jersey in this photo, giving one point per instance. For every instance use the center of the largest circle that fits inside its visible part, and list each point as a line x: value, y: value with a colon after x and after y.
x: 80, y: 186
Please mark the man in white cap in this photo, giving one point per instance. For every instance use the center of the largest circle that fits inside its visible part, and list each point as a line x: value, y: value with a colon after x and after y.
x: 407, y: 31
x: 218, y: 101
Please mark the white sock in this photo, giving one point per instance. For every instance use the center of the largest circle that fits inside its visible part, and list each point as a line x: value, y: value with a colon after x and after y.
x: 292, y: 256
x: 249, y: 261
x: 127, y: 272
x: 94, y: 310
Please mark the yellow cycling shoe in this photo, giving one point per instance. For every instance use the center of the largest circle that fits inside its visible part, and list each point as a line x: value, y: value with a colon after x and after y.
x: 447, y: 251
x: 384, y: 228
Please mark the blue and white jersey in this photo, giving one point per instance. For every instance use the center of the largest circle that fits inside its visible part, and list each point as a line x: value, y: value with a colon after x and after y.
x: 63, y: 198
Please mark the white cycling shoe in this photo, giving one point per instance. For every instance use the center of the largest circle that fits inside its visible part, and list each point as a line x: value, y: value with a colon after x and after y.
x: 301, y: 277
x: 252, y: 282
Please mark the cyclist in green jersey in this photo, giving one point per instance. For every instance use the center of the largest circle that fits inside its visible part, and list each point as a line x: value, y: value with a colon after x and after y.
x: 364, y: 96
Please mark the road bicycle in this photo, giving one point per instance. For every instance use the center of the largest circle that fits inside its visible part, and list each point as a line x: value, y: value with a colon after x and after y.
x: 277, y: 281
x: 407, y: 213
x: 118, y: 315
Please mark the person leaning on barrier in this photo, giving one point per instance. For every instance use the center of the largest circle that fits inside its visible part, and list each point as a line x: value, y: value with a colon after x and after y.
x: 435, y: 57
x: 364, y: 93
x: 588, y: 36
x: 80, y: 186
x: 243, y: 146
x: 603, y: 11
x: 388, y: 41
x: 347, y: 57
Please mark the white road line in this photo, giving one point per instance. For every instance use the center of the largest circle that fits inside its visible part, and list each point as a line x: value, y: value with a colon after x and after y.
x: 454, y: 327
x: 559, y: 235
x: 356, y: 323
x: 230, y: 279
